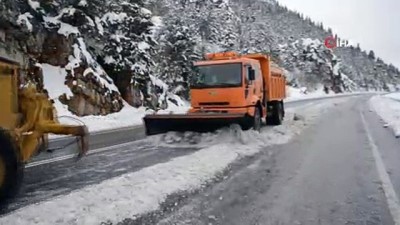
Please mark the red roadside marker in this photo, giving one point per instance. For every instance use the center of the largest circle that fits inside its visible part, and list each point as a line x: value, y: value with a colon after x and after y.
x: 330, y: 42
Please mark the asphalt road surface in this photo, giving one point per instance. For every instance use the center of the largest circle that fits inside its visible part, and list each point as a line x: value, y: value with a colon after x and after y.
x: 343, y: 171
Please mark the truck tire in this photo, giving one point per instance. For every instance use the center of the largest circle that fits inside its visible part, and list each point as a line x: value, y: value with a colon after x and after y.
x: 277, y: 114
x: 253, y: 122
x: 11, y: 169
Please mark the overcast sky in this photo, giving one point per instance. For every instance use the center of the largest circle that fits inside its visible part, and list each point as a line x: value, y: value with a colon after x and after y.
x: 375, y: 24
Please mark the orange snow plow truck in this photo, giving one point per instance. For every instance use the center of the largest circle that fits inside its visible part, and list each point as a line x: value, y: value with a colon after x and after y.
x: 228, y: 88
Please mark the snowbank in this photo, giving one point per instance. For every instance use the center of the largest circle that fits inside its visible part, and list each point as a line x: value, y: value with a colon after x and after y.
x: 395, y: 96
x: 294, y: 94
x: 127, y: 117
x: 298, y: 94
x: 389, y: 110
x: 136, y: 193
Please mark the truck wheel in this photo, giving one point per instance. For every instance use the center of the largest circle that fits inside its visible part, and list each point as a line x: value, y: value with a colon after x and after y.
x: 11, y: 169
x: 257, y: 119
x: 276, y: 117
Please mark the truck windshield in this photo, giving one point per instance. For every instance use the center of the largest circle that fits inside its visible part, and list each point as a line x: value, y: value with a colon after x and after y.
x: 222, y: 75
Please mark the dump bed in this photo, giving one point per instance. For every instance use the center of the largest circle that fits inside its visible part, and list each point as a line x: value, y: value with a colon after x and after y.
x: 276, y: 89
x: 274, y: 80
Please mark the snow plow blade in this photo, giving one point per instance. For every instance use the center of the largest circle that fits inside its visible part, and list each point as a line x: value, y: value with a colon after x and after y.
x: 195, y: 122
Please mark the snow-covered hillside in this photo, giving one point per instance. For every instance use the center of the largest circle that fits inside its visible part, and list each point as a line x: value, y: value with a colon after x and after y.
x: 310, y: 63
x: 293, y: 40
x: 101, y: 57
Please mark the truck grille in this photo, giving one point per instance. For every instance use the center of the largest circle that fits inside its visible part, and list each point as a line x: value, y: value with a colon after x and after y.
x: 214, y: 103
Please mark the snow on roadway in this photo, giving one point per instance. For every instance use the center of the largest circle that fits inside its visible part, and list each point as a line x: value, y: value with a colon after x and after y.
x: 389, y: 110
x: 296, y: 94
x: 140, y: 192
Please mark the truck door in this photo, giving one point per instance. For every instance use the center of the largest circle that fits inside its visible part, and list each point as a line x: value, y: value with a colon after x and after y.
x: 249, y: 84
x: 254, y: 87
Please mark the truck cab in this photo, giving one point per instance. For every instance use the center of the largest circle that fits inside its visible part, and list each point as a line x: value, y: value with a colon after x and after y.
x: 226, y: 86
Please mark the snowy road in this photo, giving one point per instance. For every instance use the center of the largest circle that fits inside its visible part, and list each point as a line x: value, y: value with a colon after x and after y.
x: 45, y: 179
x: 326, y: 175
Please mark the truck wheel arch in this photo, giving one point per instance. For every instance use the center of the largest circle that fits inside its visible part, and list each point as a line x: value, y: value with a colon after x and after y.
x: 252, y: 109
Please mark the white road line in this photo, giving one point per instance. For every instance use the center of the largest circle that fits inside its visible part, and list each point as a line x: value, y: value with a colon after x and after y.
x: 62, y: 158
x: 391, y: 197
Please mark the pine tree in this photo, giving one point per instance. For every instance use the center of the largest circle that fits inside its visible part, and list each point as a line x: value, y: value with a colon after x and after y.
x: 176, y: 56
x: 216, y: 23
x: 371, y: 55
x: 129, y: 47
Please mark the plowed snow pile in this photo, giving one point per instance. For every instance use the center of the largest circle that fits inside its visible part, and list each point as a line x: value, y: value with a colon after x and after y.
x: 140, y: 192
x: 388, y: 108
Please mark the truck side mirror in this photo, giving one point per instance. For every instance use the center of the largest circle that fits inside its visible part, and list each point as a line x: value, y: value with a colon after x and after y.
x: 252, y: 74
